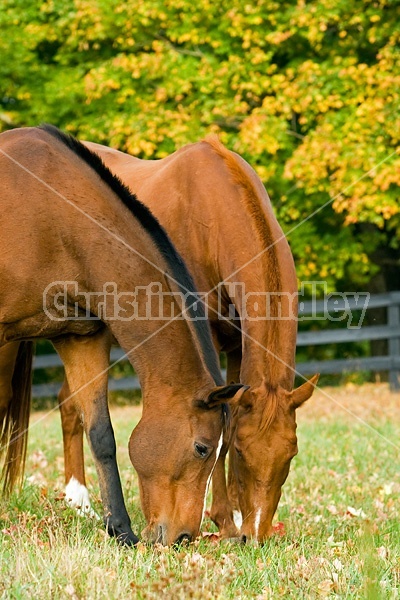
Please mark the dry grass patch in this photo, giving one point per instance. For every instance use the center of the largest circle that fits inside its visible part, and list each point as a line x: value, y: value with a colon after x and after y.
x: 340, y: 510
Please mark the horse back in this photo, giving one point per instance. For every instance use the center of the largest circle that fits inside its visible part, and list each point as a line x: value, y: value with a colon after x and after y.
x: 214, y: 206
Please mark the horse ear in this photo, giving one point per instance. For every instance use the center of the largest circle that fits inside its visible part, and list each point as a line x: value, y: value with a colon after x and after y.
x: 226, y: 393
x: 304, y: 392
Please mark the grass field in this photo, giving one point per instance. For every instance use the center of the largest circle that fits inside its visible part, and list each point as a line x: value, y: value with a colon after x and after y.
x: 340, y: 510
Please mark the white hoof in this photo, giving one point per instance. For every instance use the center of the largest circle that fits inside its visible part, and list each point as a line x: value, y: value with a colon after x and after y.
x: 77, y: 497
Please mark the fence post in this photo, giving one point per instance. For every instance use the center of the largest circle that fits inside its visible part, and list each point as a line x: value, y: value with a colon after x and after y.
x: 394, y: 343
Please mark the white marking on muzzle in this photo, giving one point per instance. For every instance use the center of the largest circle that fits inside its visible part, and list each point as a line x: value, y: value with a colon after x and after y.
x: 257, y: 521
x: 77, y: 497
x: 217, y: 452
x: 238, y: 518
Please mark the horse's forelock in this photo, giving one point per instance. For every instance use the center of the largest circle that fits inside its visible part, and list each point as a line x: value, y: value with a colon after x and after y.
x: 270, y: 408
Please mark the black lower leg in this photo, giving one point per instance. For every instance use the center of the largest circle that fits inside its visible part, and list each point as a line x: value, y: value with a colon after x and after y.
x: 116, y: 519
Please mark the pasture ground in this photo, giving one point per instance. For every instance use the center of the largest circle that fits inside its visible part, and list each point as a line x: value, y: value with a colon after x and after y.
x: 340, y: 510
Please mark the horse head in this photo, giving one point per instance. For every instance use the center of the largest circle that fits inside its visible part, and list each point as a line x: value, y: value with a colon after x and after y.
x: 174, y: 453
x: 263, y: 446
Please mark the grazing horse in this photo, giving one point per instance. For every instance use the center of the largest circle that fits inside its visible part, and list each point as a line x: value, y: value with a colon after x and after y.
x: 69, y: 228
x: 219, y: 216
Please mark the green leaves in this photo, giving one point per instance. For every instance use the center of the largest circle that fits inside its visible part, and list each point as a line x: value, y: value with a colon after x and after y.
x: 307, y: 92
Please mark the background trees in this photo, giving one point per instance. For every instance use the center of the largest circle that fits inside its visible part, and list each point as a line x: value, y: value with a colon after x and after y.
x: 307, y: 92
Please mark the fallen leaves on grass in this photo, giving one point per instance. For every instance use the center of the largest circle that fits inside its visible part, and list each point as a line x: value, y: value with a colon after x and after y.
x: 10, y: 530
x: 279, y: 529
x: 38, y: 460
x: 382, y: 552
x: 337, y: 564
x: 356, y: 512
x: 37, y: 479
x: 70, y: 591
x: 326, y: 587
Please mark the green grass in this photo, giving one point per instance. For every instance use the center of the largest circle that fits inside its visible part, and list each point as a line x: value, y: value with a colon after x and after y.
x: 340, y: 509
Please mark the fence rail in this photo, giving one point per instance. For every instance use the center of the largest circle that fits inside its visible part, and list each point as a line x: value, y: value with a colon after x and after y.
x: 389, y: 332
x: 333, y: 306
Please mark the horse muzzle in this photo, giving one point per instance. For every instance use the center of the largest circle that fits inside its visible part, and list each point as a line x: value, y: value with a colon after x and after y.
x: 158, y: 533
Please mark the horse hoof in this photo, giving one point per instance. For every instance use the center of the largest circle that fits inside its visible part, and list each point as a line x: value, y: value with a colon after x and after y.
x: 127, y: 539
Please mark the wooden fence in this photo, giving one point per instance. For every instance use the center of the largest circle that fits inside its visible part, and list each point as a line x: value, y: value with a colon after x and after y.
x: 337, y: 308
x: 340, y: 306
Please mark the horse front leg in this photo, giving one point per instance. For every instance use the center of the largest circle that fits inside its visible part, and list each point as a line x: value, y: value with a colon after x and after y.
x: 221, y: 508
x: 86, y: 361
x: 221, y: 511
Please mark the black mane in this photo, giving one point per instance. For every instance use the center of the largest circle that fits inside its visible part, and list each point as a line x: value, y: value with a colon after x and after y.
x: 179, y: 271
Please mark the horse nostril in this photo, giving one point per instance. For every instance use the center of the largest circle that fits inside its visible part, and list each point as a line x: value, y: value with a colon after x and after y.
x: 243, y: 539
x: 184, y: 538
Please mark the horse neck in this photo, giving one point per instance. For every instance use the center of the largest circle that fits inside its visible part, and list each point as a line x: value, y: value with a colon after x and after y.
x: 165, y: 352
x: 268, y: 345
x: 268, y: 353
x: 164, y: 357
x: 269, y: 335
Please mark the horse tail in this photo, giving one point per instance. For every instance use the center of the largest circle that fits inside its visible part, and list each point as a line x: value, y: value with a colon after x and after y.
x: 14, y: 429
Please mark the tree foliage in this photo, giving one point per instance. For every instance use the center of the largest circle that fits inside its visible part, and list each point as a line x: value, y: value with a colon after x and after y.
x: 307, y: 92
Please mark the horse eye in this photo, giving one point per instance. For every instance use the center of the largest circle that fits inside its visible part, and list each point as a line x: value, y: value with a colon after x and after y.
x: 201, y: 450
x: 238, y: 452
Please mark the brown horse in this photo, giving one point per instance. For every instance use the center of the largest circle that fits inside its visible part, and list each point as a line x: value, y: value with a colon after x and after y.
x: 69, y: 228
x: 219, y: 216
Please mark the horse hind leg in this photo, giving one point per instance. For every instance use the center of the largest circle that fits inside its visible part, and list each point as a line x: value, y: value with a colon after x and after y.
x: 76, y: 492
